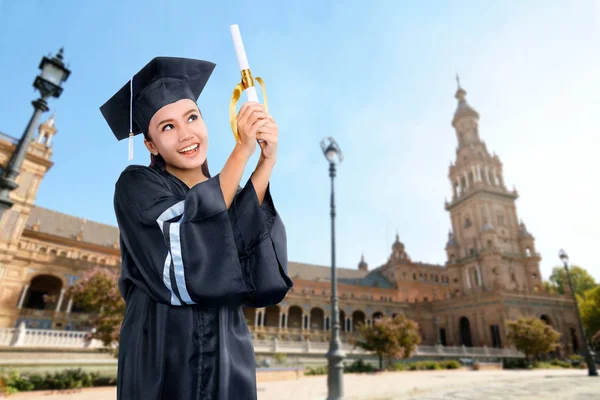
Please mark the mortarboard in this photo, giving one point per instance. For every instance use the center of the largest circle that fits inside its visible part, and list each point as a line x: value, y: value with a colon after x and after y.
x: 162, y: 81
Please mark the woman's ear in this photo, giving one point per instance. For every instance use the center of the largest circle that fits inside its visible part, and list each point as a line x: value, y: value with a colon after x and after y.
x: 150, y: 146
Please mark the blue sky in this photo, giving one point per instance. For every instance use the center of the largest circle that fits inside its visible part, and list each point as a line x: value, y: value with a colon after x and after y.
x: 379, y: 78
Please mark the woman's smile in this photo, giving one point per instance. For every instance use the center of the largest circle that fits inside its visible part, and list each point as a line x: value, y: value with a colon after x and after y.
x: 190, y: 151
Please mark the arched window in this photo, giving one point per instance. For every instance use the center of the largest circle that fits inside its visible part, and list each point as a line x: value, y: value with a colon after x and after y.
x: 468, y: 222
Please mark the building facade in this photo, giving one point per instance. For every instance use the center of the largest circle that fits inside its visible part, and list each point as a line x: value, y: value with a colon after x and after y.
x: 491, y: 275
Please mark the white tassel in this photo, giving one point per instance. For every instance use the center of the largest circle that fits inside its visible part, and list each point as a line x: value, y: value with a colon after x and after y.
x: 131, y: 119
x: 131, y: 146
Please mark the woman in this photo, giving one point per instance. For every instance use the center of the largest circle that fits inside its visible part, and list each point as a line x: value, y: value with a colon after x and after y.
x: 195, y: 248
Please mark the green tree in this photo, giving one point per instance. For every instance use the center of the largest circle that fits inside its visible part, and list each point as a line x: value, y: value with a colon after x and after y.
x: 532, y: 337
x: 589, y: 305
x: 390, y: 338
x: 580, y: 278
x: 596, y: 342
x: 549, y: 287
x: 97, y: 291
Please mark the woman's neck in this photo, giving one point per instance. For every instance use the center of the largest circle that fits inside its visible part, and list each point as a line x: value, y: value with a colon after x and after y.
x: 191, y: 177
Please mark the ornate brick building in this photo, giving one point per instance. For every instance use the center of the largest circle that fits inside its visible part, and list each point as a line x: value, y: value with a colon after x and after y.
x: 491, y: 275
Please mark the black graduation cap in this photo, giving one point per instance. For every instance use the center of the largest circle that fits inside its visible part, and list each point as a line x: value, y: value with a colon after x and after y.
x: 162, y: 81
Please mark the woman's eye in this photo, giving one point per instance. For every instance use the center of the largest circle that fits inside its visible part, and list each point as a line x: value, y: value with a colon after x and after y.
x: 193, y: 117
x: 167, y: 127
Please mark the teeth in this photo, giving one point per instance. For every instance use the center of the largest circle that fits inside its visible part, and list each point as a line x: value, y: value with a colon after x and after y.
x: 192, y: 147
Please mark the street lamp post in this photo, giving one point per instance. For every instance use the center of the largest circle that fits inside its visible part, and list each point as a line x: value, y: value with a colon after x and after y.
x: 589, y: 355
x: 54, y: 73
x: 335, y: 355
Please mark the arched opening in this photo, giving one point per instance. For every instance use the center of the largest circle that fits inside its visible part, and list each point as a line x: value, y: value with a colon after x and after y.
x: 443, y: 341
x: 43, y: 292
x: 295, y: 317
x: 358, y: 318
x: 465, y: 332
x: 271, y: 317
x: 377, y: 316
x: 317, y: 319
x: 250, y: 315
x: 528, y: 252
x: 546, y: 319
x: 574, y: 341
x: 342, y: 321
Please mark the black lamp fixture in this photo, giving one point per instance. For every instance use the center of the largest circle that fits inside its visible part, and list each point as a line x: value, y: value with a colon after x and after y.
x: 49, y: 84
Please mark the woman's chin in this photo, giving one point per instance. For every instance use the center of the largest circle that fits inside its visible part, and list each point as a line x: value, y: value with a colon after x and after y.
x: 190, y: 162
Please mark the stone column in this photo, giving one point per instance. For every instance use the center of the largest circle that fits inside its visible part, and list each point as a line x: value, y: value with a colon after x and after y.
x: 70, y: 305
x: 60, y: 299
x: 256, y: 318
x: 281, y: 316
x: 479, y: 277
x: 467, y: 278
x: 23, y: 296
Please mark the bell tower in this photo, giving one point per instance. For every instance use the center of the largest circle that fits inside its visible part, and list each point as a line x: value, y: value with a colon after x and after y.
x: 35, y: 166
x: 487, y: 247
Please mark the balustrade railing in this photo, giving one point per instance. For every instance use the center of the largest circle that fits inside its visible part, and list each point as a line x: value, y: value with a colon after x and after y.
x: 44, y: 338
x: 40, y: 338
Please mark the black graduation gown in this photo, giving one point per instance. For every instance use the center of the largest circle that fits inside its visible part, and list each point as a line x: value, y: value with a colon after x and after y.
x: 189, y: 265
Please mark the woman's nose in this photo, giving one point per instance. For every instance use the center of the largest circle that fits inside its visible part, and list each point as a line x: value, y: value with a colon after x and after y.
x: 184, y: 135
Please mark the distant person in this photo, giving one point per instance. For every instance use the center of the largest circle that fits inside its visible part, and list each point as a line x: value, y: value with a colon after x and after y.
x: 195, y: 248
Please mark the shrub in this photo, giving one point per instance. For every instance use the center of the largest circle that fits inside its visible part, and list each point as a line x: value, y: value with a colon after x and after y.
x: 359, y: 366
x: 575, y: 359
x: 514, y: 363
x: 475, y: 366
x: 17, y: 382
x: 68, y: 379
x: 449, y: 364
x: 425, y: 365
x: 280, y: 358
x: 321, y: 370
x: 561, y: 364
x: 430, y: 365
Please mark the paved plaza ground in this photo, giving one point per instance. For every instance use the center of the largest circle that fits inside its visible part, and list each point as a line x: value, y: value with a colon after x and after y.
x: 417, y: 385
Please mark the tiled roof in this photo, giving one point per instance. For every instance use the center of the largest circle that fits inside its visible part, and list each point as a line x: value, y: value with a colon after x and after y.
x: 4, y: 136
x: 64, y: 225
x: 373, y: 279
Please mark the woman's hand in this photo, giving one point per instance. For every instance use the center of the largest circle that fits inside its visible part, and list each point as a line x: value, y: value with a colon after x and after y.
x: 269, y: 133
x: 250, y: 119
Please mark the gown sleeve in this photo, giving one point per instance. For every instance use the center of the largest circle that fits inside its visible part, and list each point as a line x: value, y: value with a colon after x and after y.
x: 179, y: 249
x: 261, y: 242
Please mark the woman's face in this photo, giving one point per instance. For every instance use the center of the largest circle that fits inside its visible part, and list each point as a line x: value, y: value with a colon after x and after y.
x: 178, y: 133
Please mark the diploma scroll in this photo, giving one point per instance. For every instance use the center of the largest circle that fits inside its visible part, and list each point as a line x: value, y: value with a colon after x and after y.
x: 247, y: 81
